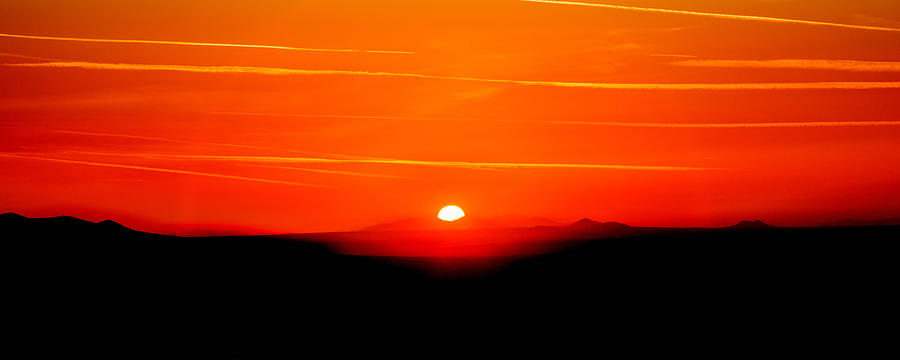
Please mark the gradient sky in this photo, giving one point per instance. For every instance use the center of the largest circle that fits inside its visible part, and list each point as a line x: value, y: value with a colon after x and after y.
x: 297, y: 116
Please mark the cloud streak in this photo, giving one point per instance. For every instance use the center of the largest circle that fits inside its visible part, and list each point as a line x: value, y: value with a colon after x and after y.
x: 720, y: 16
x: 675, y: 56
x: 336, y: 116
x: 737, y: 125
x: 163, y: 170
x: 597, y: 123
x: 333, y: 172
x: 807, y: 64
x: 450, y: 164
x: 587, y: 85
x: 20, y: 56
x: 177, y: 141
x: 189, y: 43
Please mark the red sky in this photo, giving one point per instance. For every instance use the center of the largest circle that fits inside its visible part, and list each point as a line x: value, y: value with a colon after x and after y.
x: 563, y: 111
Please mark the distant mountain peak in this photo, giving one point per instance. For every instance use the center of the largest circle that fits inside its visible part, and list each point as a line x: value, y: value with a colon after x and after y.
x: 12, y: 219
x: 584, y: 221
x: 750, y: 225
x: 112, y: 225
x: 66, y: 220
x: 410, y: 224
x: 467, y: 222
x: 589, y: 222
x: 590, y: 227
x: 61, y: 222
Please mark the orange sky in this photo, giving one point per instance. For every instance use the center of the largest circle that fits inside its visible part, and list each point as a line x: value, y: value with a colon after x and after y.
x: 335, y: 115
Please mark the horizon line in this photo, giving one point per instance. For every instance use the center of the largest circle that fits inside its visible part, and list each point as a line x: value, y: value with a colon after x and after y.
x: 559, y: 224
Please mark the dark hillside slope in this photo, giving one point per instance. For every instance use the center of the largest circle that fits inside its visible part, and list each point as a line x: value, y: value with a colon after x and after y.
x: 652, y: 293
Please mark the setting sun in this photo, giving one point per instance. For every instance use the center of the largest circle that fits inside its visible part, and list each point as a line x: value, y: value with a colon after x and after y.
x: 451, y: 213
x: 704, y: 169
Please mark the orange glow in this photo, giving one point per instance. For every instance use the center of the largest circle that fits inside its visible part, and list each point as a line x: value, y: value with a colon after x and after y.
x: 279, y: 116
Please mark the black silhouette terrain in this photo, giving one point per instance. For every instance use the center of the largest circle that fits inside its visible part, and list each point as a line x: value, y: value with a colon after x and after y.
x: 467, y: 222
x: 746, y: 291
x: 751, y: 225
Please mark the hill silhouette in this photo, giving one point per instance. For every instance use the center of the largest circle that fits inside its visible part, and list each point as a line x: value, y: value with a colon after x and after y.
x: 751, y: 225
x: 421, y: 223
x: 638, y: 292
x: 466, y: 222
x: 63, y: 226
x: 590, y: 227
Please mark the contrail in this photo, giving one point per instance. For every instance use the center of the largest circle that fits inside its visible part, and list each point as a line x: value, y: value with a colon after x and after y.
x: 332, y: 172
x: 736, y: 125
x: 151, y: 138
x: 811, y: 64
x: 162, y: 170
x: 455, y: 164
x: 597, y: 123
x: 608, y: 86
x: 333, y: 116
x: 177, y: 141
x: 28, y: 57
x: 720, y: 16
x: 188, y: 43
x: 675, y: 56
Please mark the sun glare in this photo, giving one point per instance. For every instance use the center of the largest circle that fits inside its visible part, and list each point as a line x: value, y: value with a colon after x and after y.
x: 451, y: 213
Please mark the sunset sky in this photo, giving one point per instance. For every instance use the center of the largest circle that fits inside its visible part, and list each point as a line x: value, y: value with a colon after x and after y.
x: 300, y: 116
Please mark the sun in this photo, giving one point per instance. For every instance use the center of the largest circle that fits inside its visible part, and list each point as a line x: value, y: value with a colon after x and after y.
x: 451, y: 213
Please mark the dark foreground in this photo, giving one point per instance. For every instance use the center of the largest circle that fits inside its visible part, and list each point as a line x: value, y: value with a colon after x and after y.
x: 79, y: 288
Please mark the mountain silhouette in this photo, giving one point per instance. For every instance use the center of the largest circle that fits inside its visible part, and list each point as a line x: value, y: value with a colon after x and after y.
x: 513, y: 221
x: 60, y: 223
x: 588, y: 227
x: 466, y: 222
x: 11, y: 218
x: 422, y: 223
x: 662, y: 286
x: 110, y: 225
x: 751, y: 225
